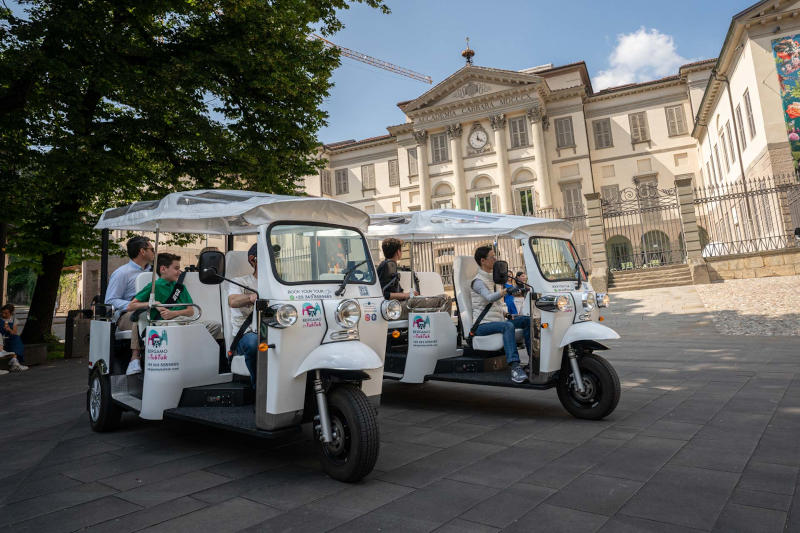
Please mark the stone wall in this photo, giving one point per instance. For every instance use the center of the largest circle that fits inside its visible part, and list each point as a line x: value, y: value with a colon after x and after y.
x: 757, y: 265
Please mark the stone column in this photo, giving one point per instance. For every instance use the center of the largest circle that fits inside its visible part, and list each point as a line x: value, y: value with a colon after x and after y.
x: 421, y: 136
x: 540, y: 165
x: 597, y: 240
x: 454, y: 132
x: 499, y: 127
x: 691, y: 234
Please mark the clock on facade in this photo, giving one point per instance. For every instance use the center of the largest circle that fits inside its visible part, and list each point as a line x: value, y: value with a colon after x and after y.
x: 478, y: 138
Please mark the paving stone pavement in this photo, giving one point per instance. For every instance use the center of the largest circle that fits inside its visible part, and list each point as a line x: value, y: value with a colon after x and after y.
x: 706, y: 438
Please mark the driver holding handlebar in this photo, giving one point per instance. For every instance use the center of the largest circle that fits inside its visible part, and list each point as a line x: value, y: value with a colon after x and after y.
x: 392, y: 251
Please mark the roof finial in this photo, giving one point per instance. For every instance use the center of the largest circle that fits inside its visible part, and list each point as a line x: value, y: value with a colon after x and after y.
x: 468, y: 53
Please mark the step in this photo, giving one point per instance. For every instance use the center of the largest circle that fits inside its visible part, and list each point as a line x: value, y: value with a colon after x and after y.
x: 649, y: 272
x: 228, y: 394
x: 653, y: 286
x: 648, y: 279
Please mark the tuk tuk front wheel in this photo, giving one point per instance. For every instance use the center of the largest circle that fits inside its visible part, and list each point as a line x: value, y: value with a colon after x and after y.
x: 601, y: 388
x: 104, y: 415
x: 354, y: 449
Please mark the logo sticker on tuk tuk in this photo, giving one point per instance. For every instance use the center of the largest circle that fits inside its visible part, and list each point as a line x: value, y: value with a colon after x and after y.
x: 311, y: 315
x: 363, y: 290
x: 157, y: 351
x: 155, y: 340
x: 421, y: 331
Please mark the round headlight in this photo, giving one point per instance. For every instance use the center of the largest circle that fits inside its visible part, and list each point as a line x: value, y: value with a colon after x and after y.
x: 589, y: 301
x: 348, y: 313
x: 391, y: 309
x: 284, y: 315
x: 562, y: 303
x: 602, y: 299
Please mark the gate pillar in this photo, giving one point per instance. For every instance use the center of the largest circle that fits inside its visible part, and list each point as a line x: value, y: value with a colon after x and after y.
x: 691, y: 235
x: 597, y: 241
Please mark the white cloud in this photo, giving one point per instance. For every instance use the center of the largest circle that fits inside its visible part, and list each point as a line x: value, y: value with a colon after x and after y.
x: 640, y: 56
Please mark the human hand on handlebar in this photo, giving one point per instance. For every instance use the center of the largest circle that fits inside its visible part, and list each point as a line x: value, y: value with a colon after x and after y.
x: 166, y: 314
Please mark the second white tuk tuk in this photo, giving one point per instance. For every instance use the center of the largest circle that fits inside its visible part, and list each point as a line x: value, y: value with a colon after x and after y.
x: 563, y: 308
x: 319, y: 316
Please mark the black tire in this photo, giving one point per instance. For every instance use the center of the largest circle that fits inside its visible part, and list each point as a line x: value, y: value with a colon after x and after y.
x: 354, y: 451
x: 603, y: 389
x: 104, y: 414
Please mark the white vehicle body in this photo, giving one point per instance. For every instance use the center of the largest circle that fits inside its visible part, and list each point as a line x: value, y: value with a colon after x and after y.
x: 558, y: 333
x: 316, y: 346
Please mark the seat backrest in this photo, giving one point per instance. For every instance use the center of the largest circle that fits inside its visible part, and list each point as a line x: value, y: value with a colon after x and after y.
x: 235, y: 265
x: 405, y: 280
x: 464, y: 270
x: 142, y: 280
x: 430, y: 283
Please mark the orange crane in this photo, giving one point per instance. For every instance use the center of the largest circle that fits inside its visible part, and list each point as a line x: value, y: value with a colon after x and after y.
x: 369, y: 60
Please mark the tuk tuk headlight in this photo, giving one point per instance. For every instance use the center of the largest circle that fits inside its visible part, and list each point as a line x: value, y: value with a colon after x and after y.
x: 391, y: 309
x: 602, y: 299
x: 348, y: 313
x: 553, y: 303
x: 589, y: 301
x: 283, y: 315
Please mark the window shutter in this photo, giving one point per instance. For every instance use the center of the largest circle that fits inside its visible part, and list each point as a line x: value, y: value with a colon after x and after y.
x: 495, y: 205
x: 413, y: 167
x: 517, y: 198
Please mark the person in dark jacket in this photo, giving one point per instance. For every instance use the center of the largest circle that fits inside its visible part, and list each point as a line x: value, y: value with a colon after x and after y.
x: 392, y: 251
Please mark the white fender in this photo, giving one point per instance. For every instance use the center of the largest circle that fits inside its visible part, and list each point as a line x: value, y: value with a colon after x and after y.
x: 346, y: 355
x: 587, y: 331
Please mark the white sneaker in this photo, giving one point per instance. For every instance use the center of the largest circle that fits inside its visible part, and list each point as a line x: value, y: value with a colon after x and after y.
x: 134, y: 367
x: 15, y: 366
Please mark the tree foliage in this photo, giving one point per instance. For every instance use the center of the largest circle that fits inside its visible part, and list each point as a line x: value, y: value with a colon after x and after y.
x: 106, y: 102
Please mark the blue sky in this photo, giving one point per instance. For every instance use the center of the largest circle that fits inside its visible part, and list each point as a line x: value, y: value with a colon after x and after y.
x: 620, y: 41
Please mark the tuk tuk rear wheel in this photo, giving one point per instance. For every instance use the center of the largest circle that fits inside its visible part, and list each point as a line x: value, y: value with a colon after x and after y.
x: 354, y: 449
x: 104, y: 415
x: 601, y: 383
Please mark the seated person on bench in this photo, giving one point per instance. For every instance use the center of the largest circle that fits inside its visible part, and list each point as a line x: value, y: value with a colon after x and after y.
x: 392, y: 251
x: 168, y: 290
x: 484, y: 293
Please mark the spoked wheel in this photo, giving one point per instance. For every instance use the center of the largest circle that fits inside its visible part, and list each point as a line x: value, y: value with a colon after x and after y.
x: 103, y: 414
x: 354, y: 449
x: 601, y: 388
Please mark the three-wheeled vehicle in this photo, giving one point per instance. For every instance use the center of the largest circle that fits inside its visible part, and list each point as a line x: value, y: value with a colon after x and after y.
x: 563, y: 310
x: 321, y: 325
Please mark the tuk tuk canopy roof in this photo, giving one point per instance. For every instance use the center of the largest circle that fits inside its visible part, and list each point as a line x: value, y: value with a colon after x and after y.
x: 228, y: 212
x: 454, y: 224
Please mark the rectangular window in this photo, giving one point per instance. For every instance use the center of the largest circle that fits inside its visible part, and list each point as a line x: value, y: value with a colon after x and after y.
x: 395, y: 207
x: 573, y: 205
x: 607, y: 171
x: 730, y: 140
x: 342, y: 186
x: 439, y: 148
x: 368, y: 177
x: 644, y: 166
x: 749, y: 110
x: 519, y: 132
x: 564, y: 135
x: 446, y: 271
x: 526, y: 201
x: 709, y: 176
x: 394, y: 173
x: 724, y: 151
x: 740, y: 123
x: 325, y: 177
x: 719, y: 165
x: 681, y: 159
x: 602, y: 133
x: 483, y: 203
x: 447, y: 250
x: 610, y: 195
x: 413, y: 169
x: 676, y: 120
x: 639, y: 130
x: 443, y: 204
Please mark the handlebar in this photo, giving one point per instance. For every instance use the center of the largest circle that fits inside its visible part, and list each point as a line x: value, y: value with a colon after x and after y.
x: 187, y: 320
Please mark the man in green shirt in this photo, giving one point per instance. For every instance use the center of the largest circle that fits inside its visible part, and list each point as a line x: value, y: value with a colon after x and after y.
x: 168, y: 267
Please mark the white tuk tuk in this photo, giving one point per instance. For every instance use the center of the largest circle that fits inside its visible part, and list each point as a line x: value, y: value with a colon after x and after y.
x: 564, y: 311
x: 321, y: 325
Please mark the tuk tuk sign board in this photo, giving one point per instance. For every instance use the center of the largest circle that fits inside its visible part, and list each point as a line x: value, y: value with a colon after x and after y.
x: 158, y: 352
x: 421, y: 331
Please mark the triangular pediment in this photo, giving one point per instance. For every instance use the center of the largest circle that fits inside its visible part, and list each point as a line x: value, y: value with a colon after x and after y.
x: 472, y: 82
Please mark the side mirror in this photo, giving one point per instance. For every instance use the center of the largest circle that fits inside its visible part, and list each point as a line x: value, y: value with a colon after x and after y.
x: 390, y: 268
x: 797, y: 233
x: 500, y: 272
x: 211, y: 267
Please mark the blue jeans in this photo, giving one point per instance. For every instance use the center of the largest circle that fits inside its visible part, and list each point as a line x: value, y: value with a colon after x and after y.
x: 248, y: 347
x: 507, y: 328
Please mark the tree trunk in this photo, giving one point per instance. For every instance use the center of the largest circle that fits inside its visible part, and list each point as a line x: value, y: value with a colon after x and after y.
x: 43, y: 302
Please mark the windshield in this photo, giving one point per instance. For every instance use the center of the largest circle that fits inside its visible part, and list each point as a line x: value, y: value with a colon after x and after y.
x: 556, y: 258
x: 308, y: 253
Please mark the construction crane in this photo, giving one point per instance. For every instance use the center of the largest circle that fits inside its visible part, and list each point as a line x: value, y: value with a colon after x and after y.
x: 369, y: 60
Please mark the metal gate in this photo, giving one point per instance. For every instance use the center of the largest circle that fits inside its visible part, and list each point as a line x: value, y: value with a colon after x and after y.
x: 643, y: 228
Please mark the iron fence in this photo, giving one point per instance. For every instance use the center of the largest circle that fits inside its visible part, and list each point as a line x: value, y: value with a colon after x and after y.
x: 748, y: 216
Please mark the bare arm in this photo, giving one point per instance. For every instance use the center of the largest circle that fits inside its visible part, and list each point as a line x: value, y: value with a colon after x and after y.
x: 241, y: 300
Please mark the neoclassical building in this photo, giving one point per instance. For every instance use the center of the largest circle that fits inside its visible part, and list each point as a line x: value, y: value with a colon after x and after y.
x: 514, y: 141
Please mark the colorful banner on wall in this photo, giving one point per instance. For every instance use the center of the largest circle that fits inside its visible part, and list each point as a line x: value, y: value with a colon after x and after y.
x: 787, y: 63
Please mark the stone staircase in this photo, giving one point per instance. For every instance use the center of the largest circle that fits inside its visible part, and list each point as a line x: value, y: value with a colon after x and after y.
x: 649, y: 278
